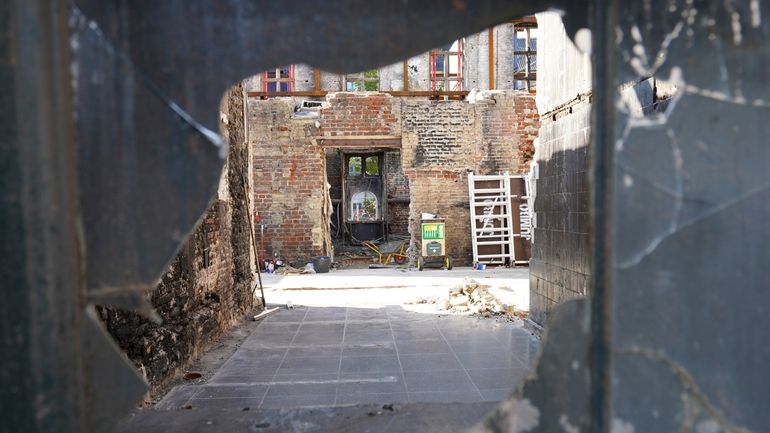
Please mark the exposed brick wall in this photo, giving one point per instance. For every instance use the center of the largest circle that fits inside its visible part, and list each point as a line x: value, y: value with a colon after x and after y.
x: 560, y: 266
x: 399, y: 218
x: 289, y: 181
x: 207, y: 286
x: 334, y: 173
x: 441, y: 142
x: 359, y: 114
x: 509, y: 129
x: 527, y: 122
x: 397, y: 186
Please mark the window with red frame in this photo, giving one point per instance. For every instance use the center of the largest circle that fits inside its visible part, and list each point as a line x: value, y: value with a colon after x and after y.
x: 446, y: 67
x: 278, y: 79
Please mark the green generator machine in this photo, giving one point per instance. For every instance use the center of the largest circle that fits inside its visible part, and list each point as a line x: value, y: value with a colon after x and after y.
x: 433, y: 252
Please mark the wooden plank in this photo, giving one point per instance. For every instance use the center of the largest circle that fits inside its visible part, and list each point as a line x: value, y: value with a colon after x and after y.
x: 317, y: 80
x: 266, y: 313
x: 491, y: 66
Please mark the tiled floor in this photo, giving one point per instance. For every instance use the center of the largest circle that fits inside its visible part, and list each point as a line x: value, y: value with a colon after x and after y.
x: 327, y: 356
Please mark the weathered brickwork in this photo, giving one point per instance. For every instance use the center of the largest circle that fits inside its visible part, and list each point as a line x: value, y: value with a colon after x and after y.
x: 289, y: 181
x: 560, y: 264
x: 445, y: 132
x: 397, y: 186
x: 481, y: 137
x: 441, y: 141
x: 334, y: 173
x: 359, y: 114
x: 208, y: 285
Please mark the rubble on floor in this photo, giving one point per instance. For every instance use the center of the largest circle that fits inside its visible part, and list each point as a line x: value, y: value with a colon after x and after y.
x: 290, y: 270
x: 471, y: 297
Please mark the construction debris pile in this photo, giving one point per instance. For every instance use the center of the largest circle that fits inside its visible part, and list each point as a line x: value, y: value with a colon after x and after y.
x: 290, y: 270
x: 471, y: 297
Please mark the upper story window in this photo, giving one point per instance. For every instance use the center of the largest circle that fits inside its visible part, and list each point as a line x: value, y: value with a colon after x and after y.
x: 367, y: 81
x: 369, y: 166
x: 525, y: 54
x: 278, y: 79
x: 446, y: 67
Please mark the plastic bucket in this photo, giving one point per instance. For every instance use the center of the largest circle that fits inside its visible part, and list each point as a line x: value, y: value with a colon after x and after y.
x: 321, y: 264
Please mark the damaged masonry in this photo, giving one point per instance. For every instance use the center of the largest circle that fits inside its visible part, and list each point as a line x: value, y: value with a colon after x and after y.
x: 418, y: 216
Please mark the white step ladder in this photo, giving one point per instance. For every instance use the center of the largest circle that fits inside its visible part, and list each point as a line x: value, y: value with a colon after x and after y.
x: 492, y: 225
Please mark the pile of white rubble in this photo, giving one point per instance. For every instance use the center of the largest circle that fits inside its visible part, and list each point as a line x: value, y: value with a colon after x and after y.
x: 471, y: 297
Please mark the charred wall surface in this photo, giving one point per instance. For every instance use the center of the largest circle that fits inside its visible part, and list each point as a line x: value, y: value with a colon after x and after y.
x: 208, y: 285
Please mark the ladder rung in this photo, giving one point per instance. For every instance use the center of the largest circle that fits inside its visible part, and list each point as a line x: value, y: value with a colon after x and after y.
x: 494, y: 203
x: 492, y: 229
x: 488, y: 190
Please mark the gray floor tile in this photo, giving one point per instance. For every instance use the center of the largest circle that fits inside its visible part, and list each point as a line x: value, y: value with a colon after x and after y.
x: 336, y: 328
x: 305, y: 377
x: 301, y: 389
x: 363, y: 326
x: 298, y: 401
x: 416, y: 334
x: 366, y: 398
x: 370, y: 364
x: 317, y: 337
x: 473, y: 360
x: 370, y: 383
x: 313, y: 315
x: 286, y: 316
x: 278, y: 327
x: 445, y: 380
x: 408, y: 347
x: 261, y: 353
x: 445, y: 396
x: 358, y: 337
x: 429, y: 362
x: 284, y: 319
x: 475, y: 345
x: 313, y: 351
x: 242, y: 363
x: 177, y: 397
x: 499, y: 394
x: 243, y: 376
x: 317, y: 367
x: 368, y: 313
x: 268, y: 341
x: 313, y: 364
x: 226, y: 403
x: 491, y: 378
x: 232, y: 391
x: 369, y: 349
